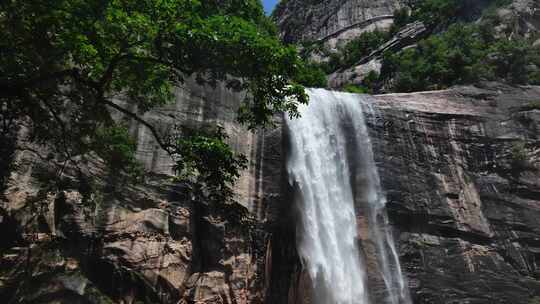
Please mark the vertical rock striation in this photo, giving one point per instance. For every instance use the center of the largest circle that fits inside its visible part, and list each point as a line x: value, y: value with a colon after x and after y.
x: 81, y: 234
x: 332, y: 170
x: 300, y: 20
x: 461, y: 171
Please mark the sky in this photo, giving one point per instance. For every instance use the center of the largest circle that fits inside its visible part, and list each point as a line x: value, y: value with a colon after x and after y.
x: 269, y: 5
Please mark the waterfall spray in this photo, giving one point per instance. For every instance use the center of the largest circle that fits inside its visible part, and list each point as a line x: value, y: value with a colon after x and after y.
x: 320, y: 166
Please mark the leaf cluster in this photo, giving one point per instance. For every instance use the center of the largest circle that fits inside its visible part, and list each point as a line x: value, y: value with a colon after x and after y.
x: 203, y: 157
x: 68, y: 66
x: 369, y: 85
x: 311, y: 75
x: 117, y: 148
x: 362, y: 46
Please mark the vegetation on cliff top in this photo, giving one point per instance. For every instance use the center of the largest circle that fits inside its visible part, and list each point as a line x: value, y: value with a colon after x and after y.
x: 458, y: 53
x: 463, y: 54
x: 454, y: 52
x: 67, y: 65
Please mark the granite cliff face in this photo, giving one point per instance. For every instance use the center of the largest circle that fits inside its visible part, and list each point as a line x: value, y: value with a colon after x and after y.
x: 461, y: 173
x: 460, y: 169
x: 321, y: 20
x: 78, y: 233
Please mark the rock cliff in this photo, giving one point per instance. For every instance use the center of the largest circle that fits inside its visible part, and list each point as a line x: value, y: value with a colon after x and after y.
x: 322, y: 20
x: 327, y: 26
x: 78, y: 233
x: 460, y: 168
x: 461, y: 172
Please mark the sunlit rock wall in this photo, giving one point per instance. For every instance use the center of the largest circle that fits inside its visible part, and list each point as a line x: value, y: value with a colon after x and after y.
x: 461, y: 172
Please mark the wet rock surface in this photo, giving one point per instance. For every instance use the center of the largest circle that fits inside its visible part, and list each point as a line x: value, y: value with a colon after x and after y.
x: 461, y: 170
x: 461, y: 173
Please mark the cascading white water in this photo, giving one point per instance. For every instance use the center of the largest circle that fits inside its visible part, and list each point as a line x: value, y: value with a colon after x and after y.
x: 330, y: 169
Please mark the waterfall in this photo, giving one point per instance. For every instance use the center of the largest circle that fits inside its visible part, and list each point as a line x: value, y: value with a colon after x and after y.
x: 332, y: 169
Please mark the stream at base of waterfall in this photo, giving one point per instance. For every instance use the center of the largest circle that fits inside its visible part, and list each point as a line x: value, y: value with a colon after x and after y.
x: 332, y: 169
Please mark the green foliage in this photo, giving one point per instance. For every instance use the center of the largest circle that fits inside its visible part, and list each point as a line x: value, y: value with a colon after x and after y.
x: 519, y: 153
x: 402, y: 17
x: 432, y: 12
x: 438, y: 14
x: 117, y: 148
x: 456, y: 54
x: 333, y: 64
x: 369, y: 84
x: 311, y: 75
x: 533, y: 71
x: 461, y: 55
x: 371, y: 81
x: 438, y: 61
x: 501, y: 3
x: 490, y: 15
x: 352, y: 88
x: 534, y: 77
x: 362, y: 46
x: 204, y: 157
x: 353, y: 51
x: 509, y: 59
x: 519, y: 160
x: 65, y: 64
x: 435, y: 13
x: 6, y: 159
x: 535, y: 105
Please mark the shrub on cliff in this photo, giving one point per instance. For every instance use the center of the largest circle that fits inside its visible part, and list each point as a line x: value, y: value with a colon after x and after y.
x: 461, y: 55
x: 402, y: 17
x: 64, y: 65
x: 349, y: 54
x: 311, y: 75
x: 435, y: 13
x: 362, y: 46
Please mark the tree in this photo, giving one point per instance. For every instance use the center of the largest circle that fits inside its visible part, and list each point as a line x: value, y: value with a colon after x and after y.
x: 312, y: 75
x: 362, y: 46
x: 65, y: 63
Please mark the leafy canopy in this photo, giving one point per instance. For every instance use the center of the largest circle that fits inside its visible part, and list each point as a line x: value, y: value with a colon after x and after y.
x: 65, y: 64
